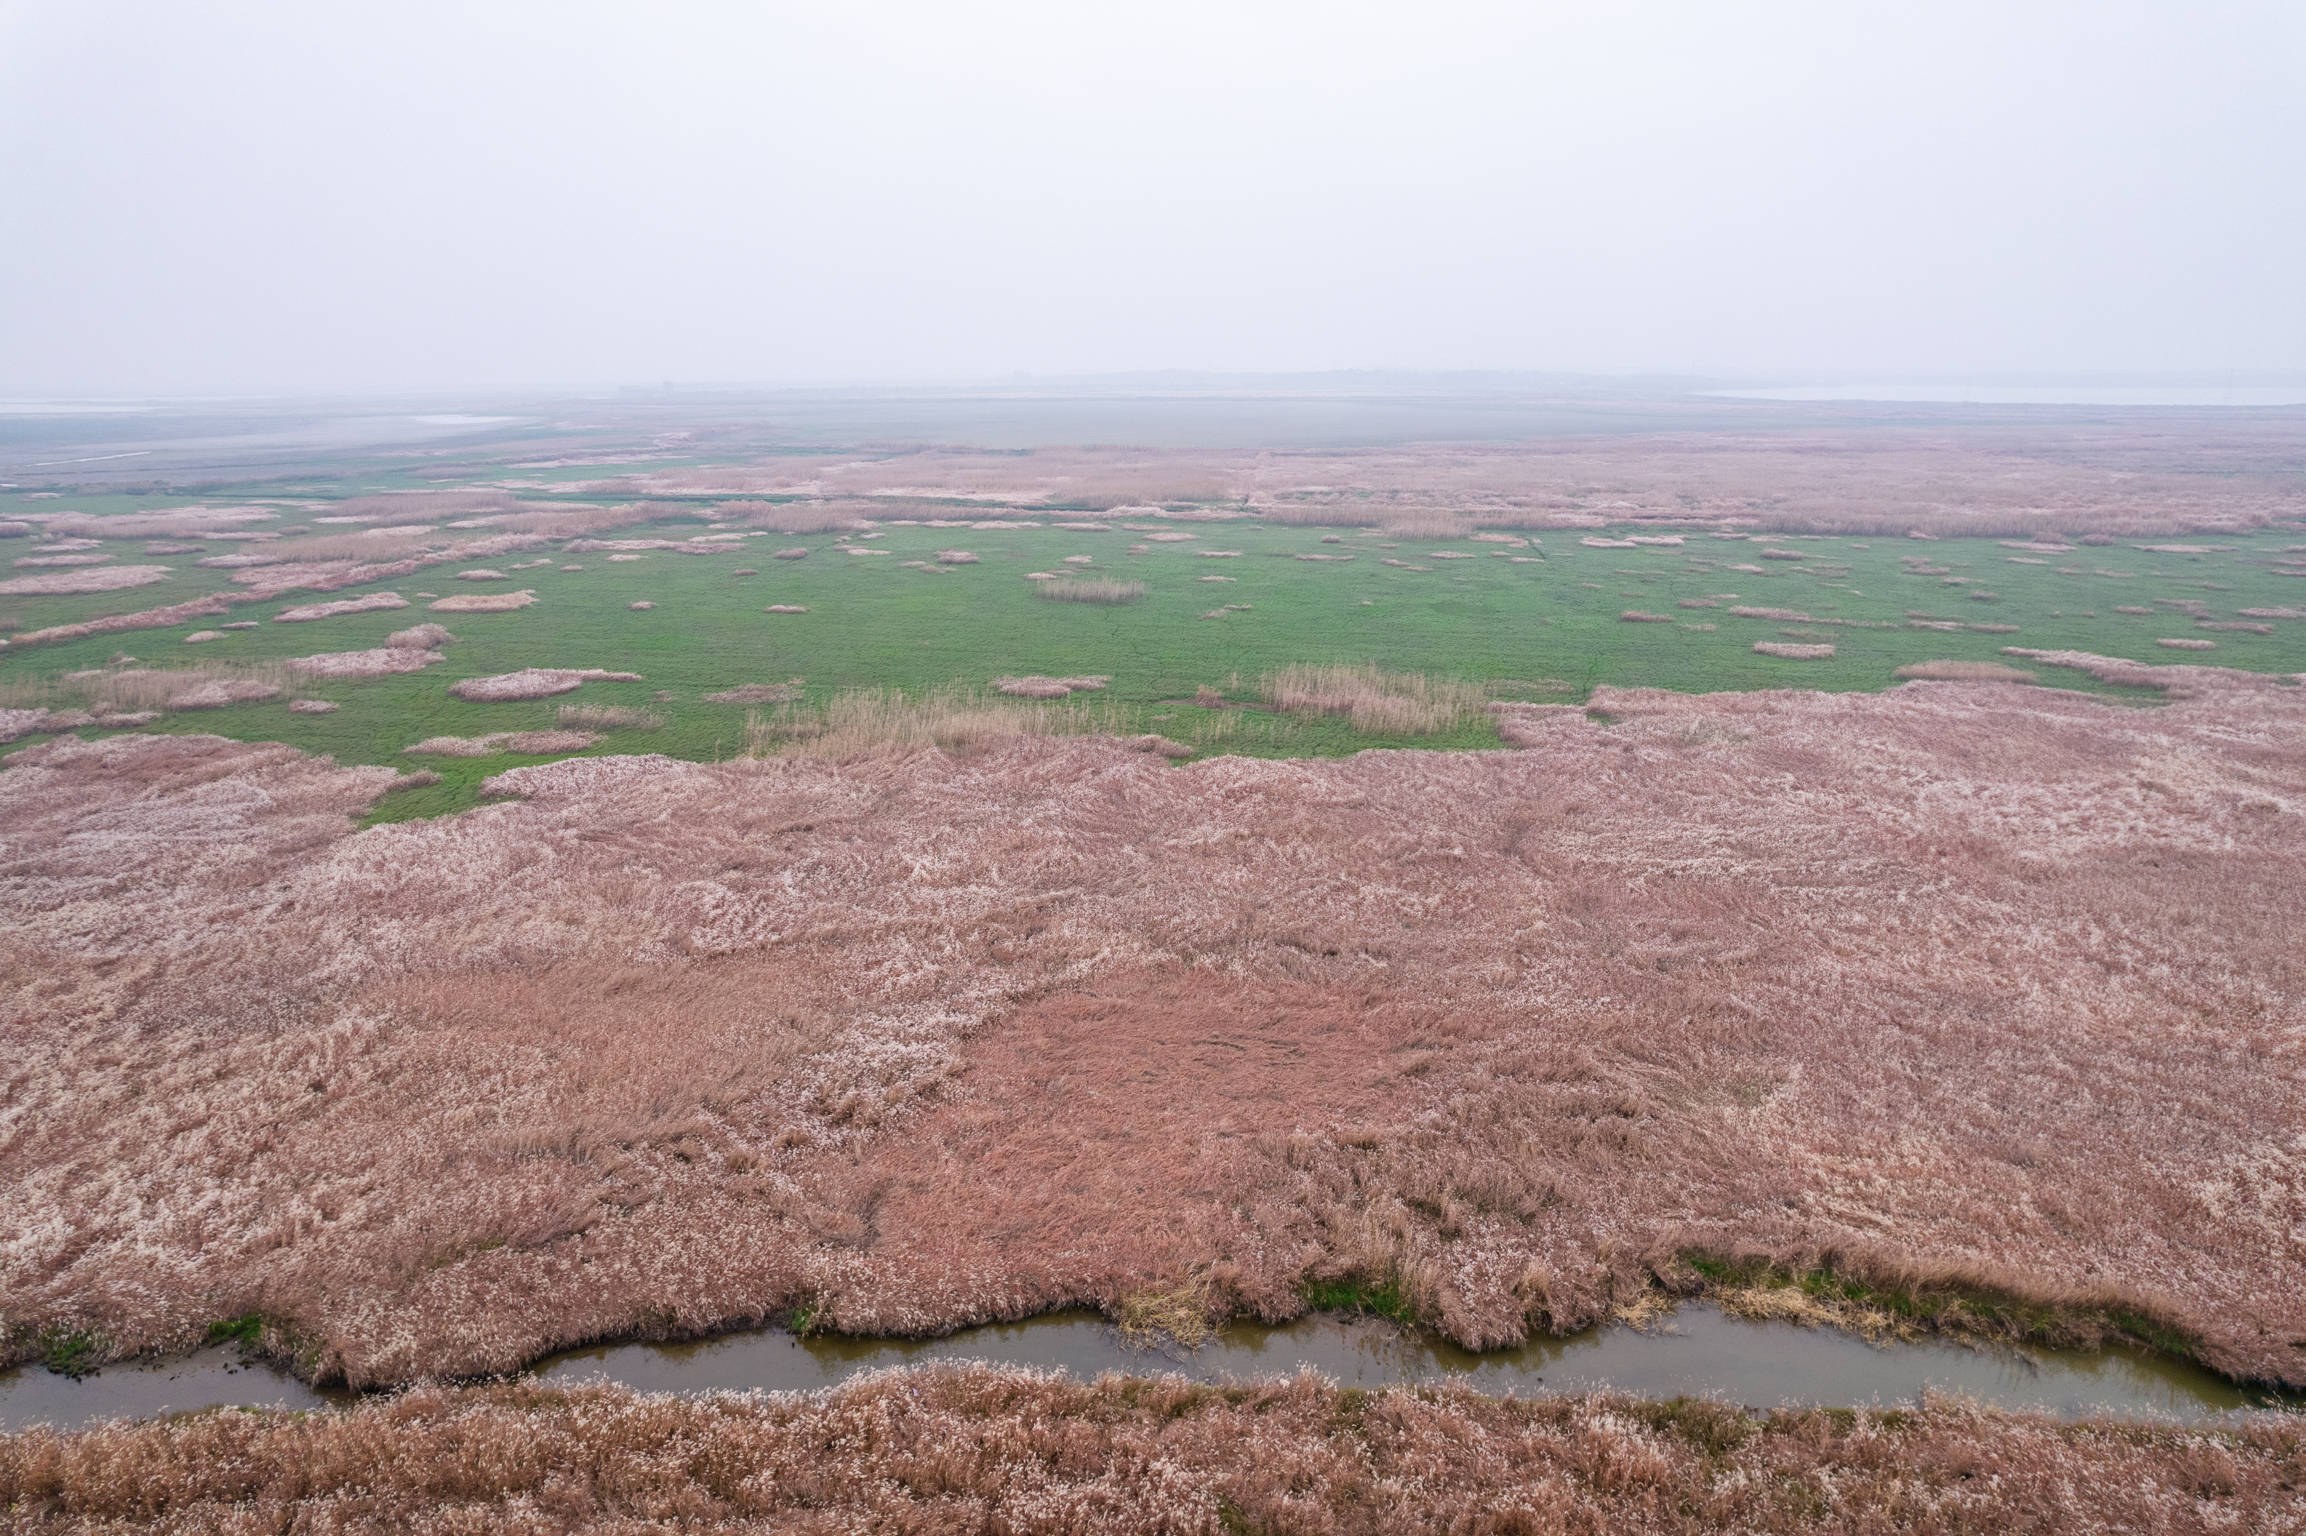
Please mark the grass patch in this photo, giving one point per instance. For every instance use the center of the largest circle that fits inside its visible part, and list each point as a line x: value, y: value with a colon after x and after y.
x: 1486, y: 622
x: 72, y: 1352
x: 1093, y: 589
x: 1826, y: 1296
x: 1360, y: 1296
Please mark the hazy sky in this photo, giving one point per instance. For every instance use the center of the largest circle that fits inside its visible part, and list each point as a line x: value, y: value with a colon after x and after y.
x: 209, y: 196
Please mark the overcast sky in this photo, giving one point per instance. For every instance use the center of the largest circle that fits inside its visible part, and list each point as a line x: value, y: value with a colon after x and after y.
x: 207, y: 196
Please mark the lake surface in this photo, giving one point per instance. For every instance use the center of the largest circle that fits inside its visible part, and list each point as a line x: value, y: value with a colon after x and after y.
x: 1699, y: 1350
x: 2250, y: 395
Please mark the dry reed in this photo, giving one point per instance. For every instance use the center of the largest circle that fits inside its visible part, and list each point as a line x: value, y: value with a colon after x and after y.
x: 608, y: 717
x: 534, y: 683
x: 876, y: 722
x: 484, y: 602
x: 1977, y: 987
x: 960, y: 1448
x: 94, y: 578
x: 758, y: 693
x: 1377, y: 701
x: 374, y: 602
x: 1093, y: 589
x: 1963, y: 672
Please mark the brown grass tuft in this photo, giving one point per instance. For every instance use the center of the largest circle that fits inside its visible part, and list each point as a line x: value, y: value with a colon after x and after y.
x: 420, y: 637
x: 1792, y: 652
x: 1637, y: 616
x: 2187, y: 643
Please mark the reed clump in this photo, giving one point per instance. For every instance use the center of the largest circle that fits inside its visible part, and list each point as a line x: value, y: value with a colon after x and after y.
x: 1377, y: 701
x: 609, y: 717
x: 864, y: 723
x: 1090, y: 589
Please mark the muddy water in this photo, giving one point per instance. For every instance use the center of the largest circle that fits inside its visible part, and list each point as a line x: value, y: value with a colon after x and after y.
x: 1698, y: 1350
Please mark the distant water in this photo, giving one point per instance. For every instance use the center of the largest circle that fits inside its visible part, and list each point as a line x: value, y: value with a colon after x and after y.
x: 2032, y: 394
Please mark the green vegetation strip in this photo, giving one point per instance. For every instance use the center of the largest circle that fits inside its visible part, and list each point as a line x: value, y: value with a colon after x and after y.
x: 1541, y: 621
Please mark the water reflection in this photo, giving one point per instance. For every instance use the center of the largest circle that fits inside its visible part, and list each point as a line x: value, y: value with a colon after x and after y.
x: 1699, y: 1350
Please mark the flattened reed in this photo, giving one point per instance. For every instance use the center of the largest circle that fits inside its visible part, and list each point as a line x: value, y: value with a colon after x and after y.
x: 485, y: 602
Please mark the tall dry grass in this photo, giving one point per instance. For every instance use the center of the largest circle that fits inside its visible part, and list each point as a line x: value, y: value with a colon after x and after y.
x: 798, y: 516
x: 609, y: 717
x: 135, y: 690
x: 670, y: 1047
x: 877, y: 722
x: 1089, y: 589
x: 1381, y: 702
x: 975, y: 1449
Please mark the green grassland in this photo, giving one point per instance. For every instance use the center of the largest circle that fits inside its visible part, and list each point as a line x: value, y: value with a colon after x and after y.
x: 1544, y: 626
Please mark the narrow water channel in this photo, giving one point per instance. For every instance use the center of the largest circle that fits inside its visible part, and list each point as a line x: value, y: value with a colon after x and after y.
x: 1699, y: 1350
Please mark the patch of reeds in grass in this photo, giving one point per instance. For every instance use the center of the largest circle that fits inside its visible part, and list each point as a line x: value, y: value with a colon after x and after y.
x: 118, y: 691
x: 485, y: 602
x: 1963, y: 672
x: 534, y: 683
x: 1377, y: 701
x: 2186, y: 643
x: 1790, y: 651
x: 878, y: 722
x: 374, y: 602
x: 608, y: 717
x: 91, y: 578
x: 758, y: 693
x: 1039, y: 687
x: 527, y: 743
x: 1637, y: 616
x: 1090, y: 589
x: 794, y: 516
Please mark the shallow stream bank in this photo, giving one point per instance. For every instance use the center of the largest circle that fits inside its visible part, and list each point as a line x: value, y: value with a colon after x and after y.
x: 1699, y: 1350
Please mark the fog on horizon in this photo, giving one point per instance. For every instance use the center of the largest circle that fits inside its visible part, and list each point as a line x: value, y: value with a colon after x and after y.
x: 211, y: 196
